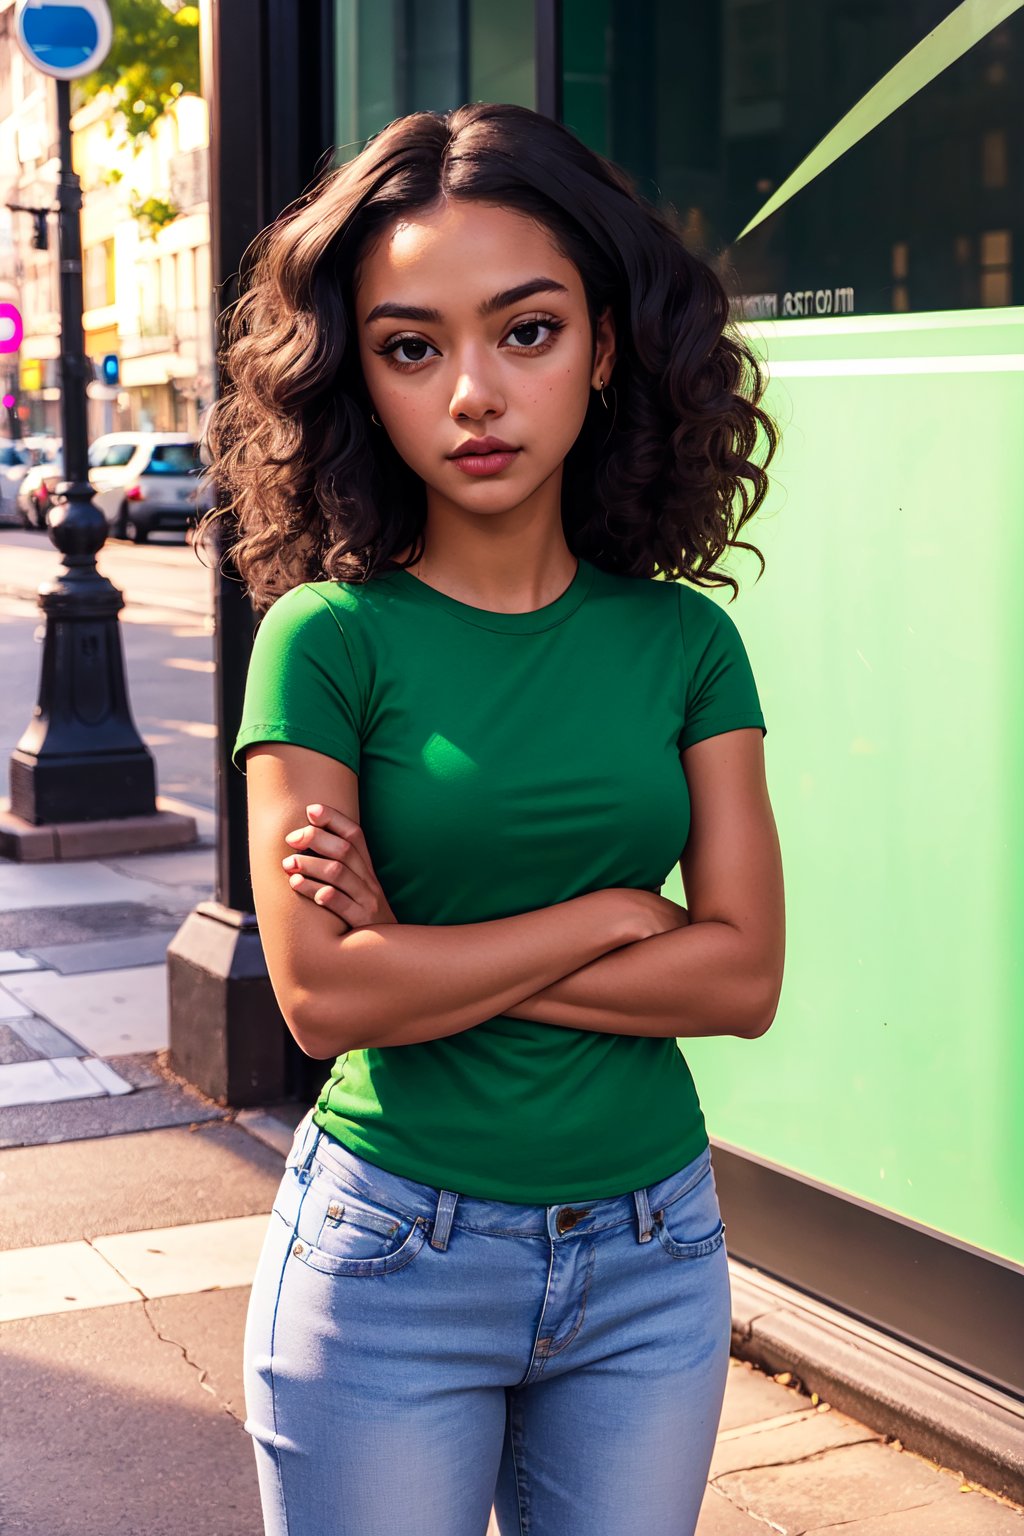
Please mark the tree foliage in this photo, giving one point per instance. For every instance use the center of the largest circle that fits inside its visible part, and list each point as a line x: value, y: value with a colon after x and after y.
x: 153, y: 58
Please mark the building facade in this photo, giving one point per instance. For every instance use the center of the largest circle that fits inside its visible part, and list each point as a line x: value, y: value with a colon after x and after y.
x: 146, y: 277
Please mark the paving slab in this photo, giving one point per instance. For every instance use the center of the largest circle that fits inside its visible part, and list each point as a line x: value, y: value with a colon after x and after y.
x: 110, y: 1013
x: 719, y: 1517
x: 193, y: 866
x: 836, y: 1487
x: 66, y: 1277
x: 752, y: 1396
x: 12, y: 1007
x: 13, y: 1048
x: 30, y: 1125
x: 108, y: 954
x: 769, y: 1443
x: 117, y: 1433
x: 133, y: 1183
x: 44, y: 1081
x: 42, y: 1037
x: 966, y: 1513
x: 14, y: 960
x: 176, y: 1261
x: 75, y: 882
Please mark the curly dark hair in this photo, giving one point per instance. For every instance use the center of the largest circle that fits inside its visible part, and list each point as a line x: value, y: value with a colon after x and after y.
x: 316, y: 494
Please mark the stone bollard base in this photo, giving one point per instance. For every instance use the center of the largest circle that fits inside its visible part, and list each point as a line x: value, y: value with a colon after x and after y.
x: 54, y: 841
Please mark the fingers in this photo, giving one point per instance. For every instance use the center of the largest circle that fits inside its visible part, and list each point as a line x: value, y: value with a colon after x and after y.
x: 332, y: 845
x: 327, y: 872
x: 331, y: 819
x: 327, y: 896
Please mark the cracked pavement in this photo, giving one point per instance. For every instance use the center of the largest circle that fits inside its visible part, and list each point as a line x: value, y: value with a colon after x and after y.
x: 140, y: 1403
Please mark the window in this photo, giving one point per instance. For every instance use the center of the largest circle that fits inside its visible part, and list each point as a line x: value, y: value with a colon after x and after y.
x: 174, y: 459
x: 98, y: 275
x: 117, y: 455
x: 426, y: 55
x: 715, y: 105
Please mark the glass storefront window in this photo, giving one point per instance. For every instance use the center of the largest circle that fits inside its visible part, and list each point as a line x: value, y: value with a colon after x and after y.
x: 399, y: 56
x: 714, y: 104
x: 501, y: 52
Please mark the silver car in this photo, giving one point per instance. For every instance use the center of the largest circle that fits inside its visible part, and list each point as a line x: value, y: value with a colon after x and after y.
x: 146, y: 480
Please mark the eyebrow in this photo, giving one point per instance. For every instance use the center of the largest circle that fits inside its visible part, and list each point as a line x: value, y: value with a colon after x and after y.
x: 503, y: 300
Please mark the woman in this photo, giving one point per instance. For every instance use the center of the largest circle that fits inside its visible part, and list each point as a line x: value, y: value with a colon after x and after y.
x: 481, y: 399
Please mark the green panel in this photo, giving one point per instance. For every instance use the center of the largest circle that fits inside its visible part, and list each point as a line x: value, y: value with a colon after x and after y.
x: 365, y: 97
x: 585, y: 78
x: 501, y: 52
x: 886, y: 638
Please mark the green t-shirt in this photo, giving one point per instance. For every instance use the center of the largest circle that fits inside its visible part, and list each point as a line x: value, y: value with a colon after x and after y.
x: 508, y: 761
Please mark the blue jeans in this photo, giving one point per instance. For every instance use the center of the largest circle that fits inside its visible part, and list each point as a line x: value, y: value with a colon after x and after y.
x: 413, y: 1355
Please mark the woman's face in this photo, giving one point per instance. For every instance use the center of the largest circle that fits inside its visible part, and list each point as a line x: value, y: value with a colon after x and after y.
x: 472, y: 325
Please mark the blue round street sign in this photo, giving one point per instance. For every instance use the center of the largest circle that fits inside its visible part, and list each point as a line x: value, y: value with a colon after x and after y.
x: 63, y: 38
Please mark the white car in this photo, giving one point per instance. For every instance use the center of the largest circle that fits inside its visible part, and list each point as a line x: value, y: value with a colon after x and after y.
x: 146, y: 480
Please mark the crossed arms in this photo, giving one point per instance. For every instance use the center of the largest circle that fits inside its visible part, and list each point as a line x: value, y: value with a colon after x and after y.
x: 619, y: 961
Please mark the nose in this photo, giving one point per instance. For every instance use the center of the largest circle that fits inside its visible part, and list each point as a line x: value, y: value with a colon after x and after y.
x: 476, y: 394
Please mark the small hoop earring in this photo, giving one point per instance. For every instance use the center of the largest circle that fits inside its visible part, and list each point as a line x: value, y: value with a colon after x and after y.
x: 600, y: 386
x: 374, y: 418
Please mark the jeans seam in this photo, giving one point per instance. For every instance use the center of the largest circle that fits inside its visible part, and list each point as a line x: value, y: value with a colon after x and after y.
x: 557, y: 1350
x: 515, y: 1430
x: 273, y: 1321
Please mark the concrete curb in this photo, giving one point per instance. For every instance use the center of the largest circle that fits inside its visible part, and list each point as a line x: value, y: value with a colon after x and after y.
x: 930, y: 1407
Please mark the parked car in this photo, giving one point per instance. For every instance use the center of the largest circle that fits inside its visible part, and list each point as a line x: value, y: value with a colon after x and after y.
x: 43, y: 446
x: 141, y: 481
x: 15, y: 462
x: 146, y: 480
x: 36, y: 490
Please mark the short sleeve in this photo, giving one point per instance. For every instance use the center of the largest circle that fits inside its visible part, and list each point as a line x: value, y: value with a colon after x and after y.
x: 721, y: 694
x: 301, y: 686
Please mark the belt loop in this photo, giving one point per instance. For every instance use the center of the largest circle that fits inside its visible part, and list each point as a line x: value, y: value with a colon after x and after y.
x: 443, y: 1219
x: 643, y: 1215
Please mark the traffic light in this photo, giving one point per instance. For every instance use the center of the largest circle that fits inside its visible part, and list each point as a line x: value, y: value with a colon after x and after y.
x: 110, y: 371
x: 40, y: 235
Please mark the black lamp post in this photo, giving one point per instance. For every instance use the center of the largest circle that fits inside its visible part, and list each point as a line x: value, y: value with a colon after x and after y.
x: 81, y: 757
x: 82, y: 779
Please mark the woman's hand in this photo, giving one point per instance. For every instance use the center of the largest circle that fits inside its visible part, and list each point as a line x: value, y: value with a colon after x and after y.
x: 650, y: 913
x: 330, y: 864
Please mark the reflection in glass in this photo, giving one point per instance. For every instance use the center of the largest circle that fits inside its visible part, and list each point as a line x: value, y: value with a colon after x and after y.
x: 713, y: 106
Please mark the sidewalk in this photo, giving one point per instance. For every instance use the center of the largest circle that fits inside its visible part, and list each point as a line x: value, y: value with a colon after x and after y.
x: 133, y: 1213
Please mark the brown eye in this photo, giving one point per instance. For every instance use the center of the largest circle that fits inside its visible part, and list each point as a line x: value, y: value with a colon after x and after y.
x: 391, y: 348
x: 533, y: 326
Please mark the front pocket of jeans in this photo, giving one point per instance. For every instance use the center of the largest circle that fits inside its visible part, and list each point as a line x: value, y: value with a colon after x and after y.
x: 341, y: 1234
x: 692, y: 1225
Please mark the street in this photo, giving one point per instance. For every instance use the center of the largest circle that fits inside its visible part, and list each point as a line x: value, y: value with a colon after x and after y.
x: 167, y: 630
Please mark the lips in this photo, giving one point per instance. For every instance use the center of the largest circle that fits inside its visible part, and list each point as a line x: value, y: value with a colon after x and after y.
x: 482, y: 445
